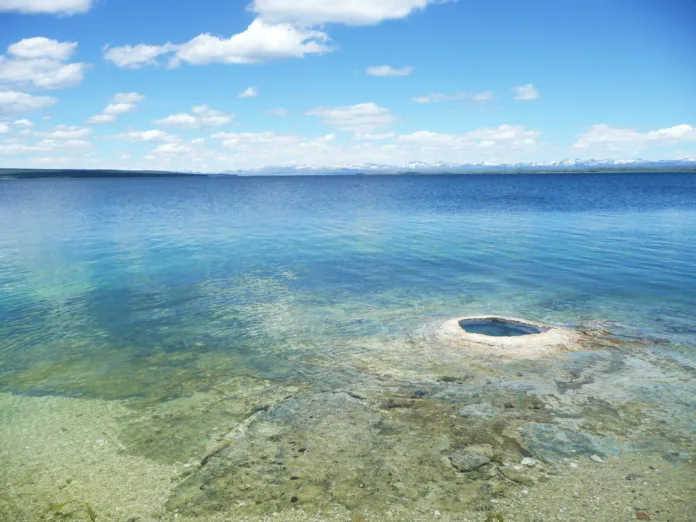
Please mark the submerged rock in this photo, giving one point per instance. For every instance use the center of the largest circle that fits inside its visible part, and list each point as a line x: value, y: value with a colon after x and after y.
x: 517, y: 476
x: 553, y: 443
x: 479, y: 410
x: 528, y: 461
x: 343, y: 451
x: 472, y: 457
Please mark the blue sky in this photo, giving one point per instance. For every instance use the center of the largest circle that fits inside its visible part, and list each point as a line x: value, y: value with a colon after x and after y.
x: 216, y: 85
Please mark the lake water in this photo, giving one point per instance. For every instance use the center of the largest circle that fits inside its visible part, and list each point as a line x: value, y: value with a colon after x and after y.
x: 167, y: 336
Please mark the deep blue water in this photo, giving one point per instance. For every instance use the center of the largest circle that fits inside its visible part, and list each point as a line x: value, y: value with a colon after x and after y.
x: 498, y: 327
x: 98, y: 274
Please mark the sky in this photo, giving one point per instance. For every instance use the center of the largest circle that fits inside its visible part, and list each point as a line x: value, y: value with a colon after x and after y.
x: 219, y: 85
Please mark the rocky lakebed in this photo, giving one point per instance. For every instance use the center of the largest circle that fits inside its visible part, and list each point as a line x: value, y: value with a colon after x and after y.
x: 405, y: 427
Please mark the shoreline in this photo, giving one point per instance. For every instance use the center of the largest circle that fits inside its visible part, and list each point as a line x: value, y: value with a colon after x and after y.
x: 553, y: 426
x: 22, y: 174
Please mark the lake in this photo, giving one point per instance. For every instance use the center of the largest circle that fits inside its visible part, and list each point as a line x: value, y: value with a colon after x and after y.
x: 266, y: 347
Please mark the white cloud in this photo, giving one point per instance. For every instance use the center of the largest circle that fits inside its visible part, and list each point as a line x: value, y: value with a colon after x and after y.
x: 172, y: 148
x: 363, y: 117
x: 101, y: 118
x: 250, y: 92
x: 681, y: 132
x: 503, y: 144
x: 43, y: 74
x: 148, y: 135
x: 179, y: 120
x: 12, y: 148
x: 388, y: 70
x: 276, y: 148
x: 505, y: 137
x: 260, y: 42
x: 118, y: 108
x: 17, y: 148
x: 136, y: 56
x: 190, y: 156
x: 127, y: 97
x: 62, y: 138
x: 64, y: 132
x: 434, y: 97
x: 41, y: 47
x: 201, y: 116
x: 526, y: 92
x: 67, y: 7
x: 12, y: 102
x: 483, y: 96
x: 54, y: 161
x: 278, y: 112
x: 506, y: 143
x: 10, y: 126
x: 245, y: 140
x: 121, y: 103
x: 353, y: 12
x: 283, y: 29
x: 438, y: 97
x: 607, y: 139
x: 69, y: 145
x: 182, y: 150
x: 40, y: 61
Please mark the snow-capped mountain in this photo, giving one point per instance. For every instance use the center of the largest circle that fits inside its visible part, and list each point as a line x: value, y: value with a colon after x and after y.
x: 565, y: 165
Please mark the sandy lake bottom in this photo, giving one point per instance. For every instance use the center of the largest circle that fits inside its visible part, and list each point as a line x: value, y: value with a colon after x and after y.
x: 407, y: 429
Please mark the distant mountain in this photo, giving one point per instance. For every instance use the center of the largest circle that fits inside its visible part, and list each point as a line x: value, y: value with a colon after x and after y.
x: 565, y: 165
x: 414, y: 167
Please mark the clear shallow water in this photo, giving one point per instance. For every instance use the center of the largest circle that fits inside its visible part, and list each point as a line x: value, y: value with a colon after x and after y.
x: 142, y: 266
x: 155, y: 290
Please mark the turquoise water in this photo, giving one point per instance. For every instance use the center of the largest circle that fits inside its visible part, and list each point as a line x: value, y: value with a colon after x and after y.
x: 149, y: 266
x: 154, y: 290
x: 498, y: 327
